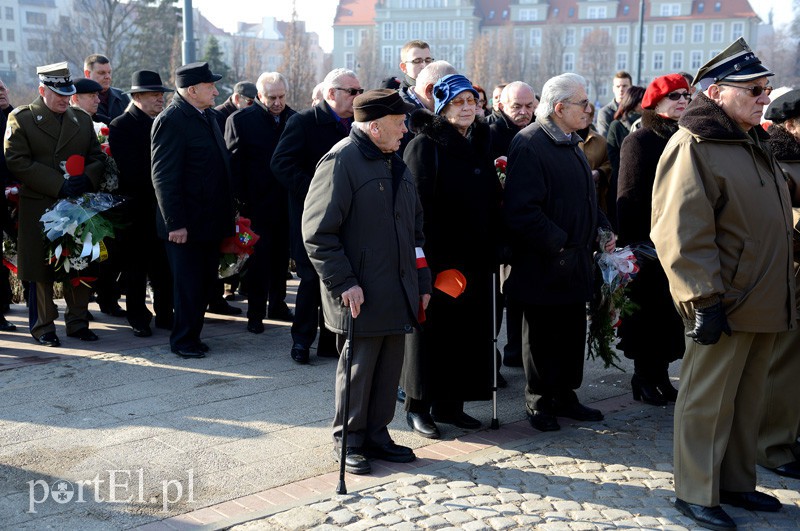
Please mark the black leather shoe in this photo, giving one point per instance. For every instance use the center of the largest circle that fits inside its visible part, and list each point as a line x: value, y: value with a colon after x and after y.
x: 543, y: 421
x: 354, y: 461
x: 48, y: 339
x: 423, y: 424
x: 202, y: 347
x: 390, y: 452
x: 708, y: 517
x: 142, y: 331
x: 578, y: 411
x: 5, y: 326
x: 401, y: 395
x: 667, y: 391
x: 281, y: 314
x: 114, y: 311
x: 223, y: 308
x: 512, y: 360
x: 752, y: 501
x: 255, y: 326
x: 460, y: 420
x: 646, y: 391
x: 300, y: 354
x: 191, y: 352
x: 84, y: 334
x: 790, y: 470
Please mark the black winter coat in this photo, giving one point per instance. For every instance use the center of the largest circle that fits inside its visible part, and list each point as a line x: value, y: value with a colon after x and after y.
x: 502, y: 132
x: 654, y: 330
x: 550, y: 204
x: 452, y: 356
x: 117, y: 102
x: 307, y: 137
x: 191, y: 174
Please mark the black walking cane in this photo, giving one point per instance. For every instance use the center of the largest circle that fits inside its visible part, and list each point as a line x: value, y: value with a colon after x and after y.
x: 341, y: 488
x: 495, y: 422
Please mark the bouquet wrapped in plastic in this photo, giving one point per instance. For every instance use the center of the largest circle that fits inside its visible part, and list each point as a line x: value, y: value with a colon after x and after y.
x: 236, y: 249
x: 500, y: 166
x: 74, y: 230
x: 610, y: 303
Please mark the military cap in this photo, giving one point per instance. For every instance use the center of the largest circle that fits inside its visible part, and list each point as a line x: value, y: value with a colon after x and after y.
x: 246, y: 89
x: 735, y: 63
x: 146, y: 81
x: 194, y: 74
x: 87, y: 86
x: 784, y: 107
x: 377, y: 103
x: 56, y: 77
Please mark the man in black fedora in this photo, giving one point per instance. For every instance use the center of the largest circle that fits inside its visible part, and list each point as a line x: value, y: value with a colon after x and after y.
x: 191, y: 177
x: 143, y: 252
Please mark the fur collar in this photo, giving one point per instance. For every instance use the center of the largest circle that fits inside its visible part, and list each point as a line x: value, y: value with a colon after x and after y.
x: 706, y: 119
x: 443, y: 133
x: 784, y: 145
x: 663, y: 127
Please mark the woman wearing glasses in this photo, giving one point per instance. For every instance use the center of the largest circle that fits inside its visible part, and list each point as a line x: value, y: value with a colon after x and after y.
x: 450, y: 360
x: 653, y: 335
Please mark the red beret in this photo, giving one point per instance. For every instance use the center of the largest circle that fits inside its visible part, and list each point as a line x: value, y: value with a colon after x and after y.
x: 660, y: 87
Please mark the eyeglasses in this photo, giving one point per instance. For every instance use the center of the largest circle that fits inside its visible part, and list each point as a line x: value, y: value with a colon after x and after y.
x: 420, y: 60
x: 582, y: 104
x: 675, y: 96
x: 755, y: 91
x: 460, y: 102
x: 351, y: 91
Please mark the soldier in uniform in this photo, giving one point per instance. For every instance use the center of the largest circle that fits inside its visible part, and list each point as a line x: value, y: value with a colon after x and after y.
x: 39, y: 137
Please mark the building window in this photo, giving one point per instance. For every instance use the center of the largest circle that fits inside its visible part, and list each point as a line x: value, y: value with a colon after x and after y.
x: 528, y: 14
x: 37, y: 45
x: 387, y: 56
x: 698, y: 33
x: 444, y: 53
x: 388, y: 31
x: 658, y: 61
x: 349, y: 60
x: 519, y: 37
x: 458, y: 29
x: 416, y: 30
x: 678, y: 34
x: 737, y: 30
x: 536, y: 37
x: 585, y: 32
x: 716, y: 32
x: 458, y: 57
x: 569, y: 62
x: 400, y: 28
x: 430, y: 30
x: 596, y: 12
x: 444, y: 29
x: 349, y: 38
x: 536, y: 59
x: 569, y: 37
x: 677, y: 61
x: 696, y: 60
x: 10, y: 35
x: 660, y: 35
x: 622, y: 36
x: 670, y: 10
x: 712, y: 54
x: 2, y: 60
x: 622, y: 60
x: 9, y: 16
x: 35, y: 19
x: 12, y: 57
x: 362, y: 35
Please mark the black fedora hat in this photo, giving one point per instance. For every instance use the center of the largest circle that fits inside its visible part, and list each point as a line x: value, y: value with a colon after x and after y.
x: 146, y: 81
x: 194, y: 74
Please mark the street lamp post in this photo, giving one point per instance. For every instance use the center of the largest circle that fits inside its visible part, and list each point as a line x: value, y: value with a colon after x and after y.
x: 188, y: 33
x: 641, y: 34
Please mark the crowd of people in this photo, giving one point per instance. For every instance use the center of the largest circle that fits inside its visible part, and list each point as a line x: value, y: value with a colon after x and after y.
x: 407, y: 210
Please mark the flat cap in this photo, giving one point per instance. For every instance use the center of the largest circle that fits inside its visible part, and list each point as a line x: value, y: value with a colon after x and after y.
x: 87, y: 86
x: 735, y: 63
x: 784, y: 107
x: 375, y: 104
x: 57, y: 78
x: 194, y: 74
x: 246, y: 89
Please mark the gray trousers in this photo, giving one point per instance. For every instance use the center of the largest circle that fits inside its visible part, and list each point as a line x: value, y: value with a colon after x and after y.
x: 377, y: 362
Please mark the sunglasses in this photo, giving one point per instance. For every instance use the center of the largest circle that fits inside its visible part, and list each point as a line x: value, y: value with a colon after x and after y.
x: 420, y: 60
x: 675, y: 96
x: 755, y: 91
x: 351, y: 91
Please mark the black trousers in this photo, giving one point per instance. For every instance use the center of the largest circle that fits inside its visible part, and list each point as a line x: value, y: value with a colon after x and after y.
x: 553, y: 364
x: 151, y: 263
x: 308, y: 310
x: 194, y: 274
x: 108, y: 277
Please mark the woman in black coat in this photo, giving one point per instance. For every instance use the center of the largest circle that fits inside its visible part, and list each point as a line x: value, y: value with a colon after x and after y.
x: 653, y: 335
x: 627, y: 114
x: 450, y: 360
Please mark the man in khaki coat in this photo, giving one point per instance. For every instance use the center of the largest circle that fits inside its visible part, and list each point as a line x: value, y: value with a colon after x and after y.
x: 38, y: 138
x: 722, y: 225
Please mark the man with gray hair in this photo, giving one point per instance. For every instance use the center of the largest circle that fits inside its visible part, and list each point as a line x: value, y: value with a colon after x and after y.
x: 307, y: 137
x: 252, y: 135
x: 553, y: 218
x: 420, y: 95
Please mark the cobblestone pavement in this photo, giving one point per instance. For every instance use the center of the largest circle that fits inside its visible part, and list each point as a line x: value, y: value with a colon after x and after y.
x: 616, y: 474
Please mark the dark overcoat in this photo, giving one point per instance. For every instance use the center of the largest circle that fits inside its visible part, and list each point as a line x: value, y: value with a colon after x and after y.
x: 191, y: 174
x: 37, y: 141
x: 550, y: 204
x: 117, y: 101
x: 452, y: 357
x: 307, y: 137
x: 502, y: 132
x: 361, y: 225
x: 654, y: 330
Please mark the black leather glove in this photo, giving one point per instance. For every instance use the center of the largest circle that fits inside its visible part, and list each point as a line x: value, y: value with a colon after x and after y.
x: 709, y: 323
x: 75, y: 186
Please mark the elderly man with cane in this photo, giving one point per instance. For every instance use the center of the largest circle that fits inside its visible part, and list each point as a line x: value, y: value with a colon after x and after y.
x: 362, y: 228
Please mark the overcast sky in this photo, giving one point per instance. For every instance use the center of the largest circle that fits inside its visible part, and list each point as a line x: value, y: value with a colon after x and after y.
x: 319, y: 14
